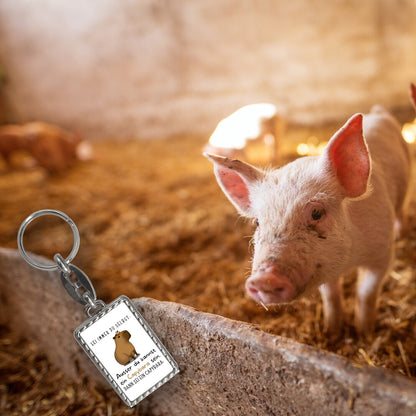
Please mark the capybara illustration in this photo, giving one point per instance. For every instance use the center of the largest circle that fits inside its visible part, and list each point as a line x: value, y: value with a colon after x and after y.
x: 125, y: 351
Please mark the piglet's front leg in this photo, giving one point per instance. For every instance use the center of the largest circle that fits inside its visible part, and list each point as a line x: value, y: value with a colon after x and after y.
x: 368, y: 289
x: 333, y: 304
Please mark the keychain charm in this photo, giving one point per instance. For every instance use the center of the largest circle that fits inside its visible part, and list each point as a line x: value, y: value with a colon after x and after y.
x: 126, y: 351
x: 115, y: 336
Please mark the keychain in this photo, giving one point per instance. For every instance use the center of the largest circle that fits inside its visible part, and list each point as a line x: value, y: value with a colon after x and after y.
x: 115, y: 336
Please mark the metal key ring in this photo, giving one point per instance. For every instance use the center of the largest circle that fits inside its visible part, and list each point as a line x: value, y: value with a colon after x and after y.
x: 40, y: 213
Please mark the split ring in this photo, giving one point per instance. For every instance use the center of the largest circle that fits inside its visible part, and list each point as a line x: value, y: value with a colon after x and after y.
x: 41, y: 213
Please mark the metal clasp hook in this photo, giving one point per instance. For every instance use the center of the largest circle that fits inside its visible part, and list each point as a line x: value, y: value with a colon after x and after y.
x: 78, y: 285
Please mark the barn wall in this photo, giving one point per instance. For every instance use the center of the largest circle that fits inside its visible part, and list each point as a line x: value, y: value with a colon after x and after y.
x: 151, y: 68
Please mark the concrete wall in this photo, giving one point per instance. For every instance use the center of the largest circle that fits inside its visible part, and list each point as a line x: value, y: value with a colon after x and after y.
x: 152, y: 68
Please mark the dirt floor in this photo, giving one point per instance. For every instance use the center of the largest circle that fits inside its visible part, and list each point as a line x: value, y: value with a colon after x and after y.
x: 153, y: 222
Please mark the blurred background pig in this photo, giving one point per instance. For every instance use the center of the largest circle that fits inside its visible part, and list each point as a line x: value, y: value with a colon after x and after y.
x: 319, y: 217
x: 251, y: 123
x: 52, y: 147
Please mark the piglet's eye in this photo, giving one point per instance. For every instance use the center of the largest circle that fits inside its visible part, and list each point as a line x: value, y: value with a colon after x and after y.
x: 317, y: 213
x: 256, y: 221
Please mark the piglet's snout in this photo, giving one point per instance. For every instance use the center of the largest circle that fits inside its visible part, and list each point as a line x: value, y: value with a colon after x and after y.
x: 268, y: 285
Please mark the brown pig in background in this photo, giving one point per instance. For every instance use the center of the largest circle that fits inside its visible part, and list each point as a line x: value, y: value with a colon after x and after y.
x: 320, y: 217
x: 52, y: 147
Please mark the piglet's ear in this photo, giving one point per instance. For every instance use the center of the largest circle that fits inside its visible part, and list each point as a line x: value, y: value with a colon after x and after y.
x: 413, y: 94
x: 235, y: 178
x: 347, y: 155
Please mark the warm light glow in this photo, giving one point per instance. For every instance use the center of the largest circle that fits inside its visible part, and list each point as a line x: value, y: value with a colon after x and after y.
x: 302, y: 149
x: 321, y: 147
x: 242, y: 125
x: 313, y: 147
x: 409, y: 132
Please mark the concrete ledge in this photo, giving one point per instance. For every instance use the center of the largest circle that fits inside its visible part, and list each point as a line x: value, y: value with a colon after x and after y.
x: 227, y: 367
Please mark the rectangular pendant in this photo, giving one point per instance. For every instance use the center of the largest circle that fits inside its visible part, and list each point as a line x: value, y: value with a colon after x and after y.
x: 126, y: 351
